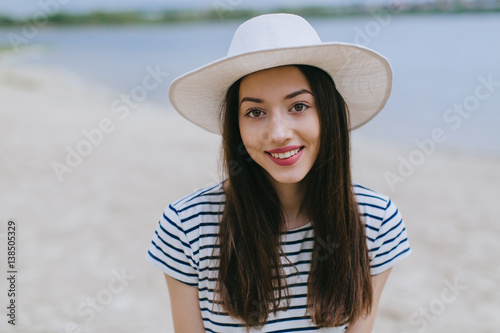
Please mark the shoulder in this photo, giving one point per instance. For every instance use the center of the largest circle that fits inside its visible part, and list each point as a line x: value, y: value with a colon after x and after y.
x: 367, y: 197
x: 371, y: 204
x: 386, y: 235
x: 198, y: 209
x: 207, y: 198
x: 375, y: 208
x: 175, y: 247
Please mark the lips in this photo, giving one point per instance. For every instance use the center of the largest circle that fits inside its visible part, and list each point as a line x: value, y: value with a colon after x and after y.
x: 285, y: 156
x: 283, y: 150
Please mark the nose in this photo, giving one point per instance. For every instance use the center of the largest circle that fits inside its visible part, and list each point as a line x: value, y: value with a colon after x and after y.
x: 279, y: 127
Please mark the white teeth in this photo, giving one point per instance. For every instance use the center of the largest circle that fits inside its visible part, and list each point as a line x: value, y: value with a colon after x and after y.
x: 285, y: 155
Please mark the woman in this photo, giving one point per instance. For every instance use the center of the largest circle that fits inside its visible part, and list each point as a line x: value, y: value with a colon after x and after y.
x: 286, y: 243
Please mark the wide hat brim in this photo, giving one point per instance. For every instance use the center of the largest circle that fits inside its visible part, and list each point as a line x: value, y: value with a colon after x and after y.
x: 362, y: 76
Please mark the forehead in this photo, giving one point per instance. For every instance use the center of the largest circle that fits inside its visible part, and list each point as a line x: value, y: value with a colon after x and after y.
x: 274, y: 80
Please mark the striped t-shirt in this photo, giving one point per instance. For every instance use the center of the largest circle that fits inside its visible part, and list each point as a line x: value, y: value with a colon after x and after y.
x: 184, y: 242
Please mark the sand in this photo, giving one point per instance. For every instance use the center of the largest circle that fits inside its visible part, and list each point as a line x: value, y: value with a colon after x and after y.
x: 83, y: 227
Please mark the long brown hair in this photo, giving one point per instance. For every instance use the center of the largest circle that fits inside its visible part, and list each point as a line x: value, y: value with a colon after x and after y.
x: 250, y: 282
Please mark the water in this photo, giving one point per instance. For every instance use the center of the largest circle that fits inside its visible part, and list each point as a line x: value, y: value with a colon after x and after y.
x: 439, y: 63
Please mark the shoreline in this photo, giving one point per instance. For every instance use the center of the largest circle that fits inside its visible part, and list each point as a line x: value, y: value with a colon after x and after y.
x: 228, y: 11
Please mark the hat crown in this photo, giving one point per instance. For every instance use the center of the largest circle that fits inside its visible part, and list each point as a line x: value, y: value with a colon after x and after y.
x: 272, y: 31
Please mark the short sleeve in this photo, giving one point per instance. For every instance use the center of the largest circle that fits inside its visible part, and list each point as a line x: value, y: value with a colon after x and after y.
x: 389, y: 241
x: 171, y: 251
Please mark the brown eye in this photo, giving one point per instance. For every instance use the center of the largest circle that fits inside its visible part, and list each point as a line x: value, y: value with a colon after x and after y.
x: 254, y: 113
x: 299, y: 107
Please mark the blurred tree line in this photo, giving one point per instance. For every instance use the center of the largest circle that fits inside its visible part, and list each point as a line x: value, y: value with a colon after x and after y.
x: 222, y: 10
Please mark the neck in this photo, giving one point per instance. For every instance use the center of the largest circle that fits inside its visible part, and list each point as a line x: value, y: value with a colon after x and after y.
x: 291, y: 197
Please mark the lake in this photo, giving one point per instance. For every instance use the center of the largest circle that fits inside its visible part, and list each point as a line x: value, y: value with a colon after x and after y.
x: 446, y: 67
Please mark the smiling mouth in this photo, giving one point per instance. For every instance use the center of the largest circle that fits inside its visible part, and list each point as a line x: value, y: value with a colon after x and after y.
x: 285, y: 155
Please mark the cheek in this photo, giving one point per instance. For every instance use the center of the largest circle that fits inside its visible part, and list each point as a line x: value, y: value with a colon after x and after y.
x: 313, y: 133
x: 247, y: 137
x: 250, y: 146
x: 250, y: 134
x: 250, y: 149
x: 313, y: 129
x: 244, y: 133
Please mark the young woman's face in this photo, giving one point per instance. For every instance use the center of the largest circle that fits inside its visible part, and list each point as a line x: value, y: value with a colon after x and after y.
x: 279, y: 123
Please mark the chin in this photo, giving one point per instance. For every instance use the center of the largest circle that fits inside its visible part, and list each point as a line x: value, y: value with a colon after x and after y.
x: 287, y: 179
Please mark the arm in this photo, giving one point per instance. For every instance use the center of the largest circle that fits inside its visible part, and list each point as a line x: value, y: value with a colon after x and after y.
x: 365, y: 324
x: 185, y: 307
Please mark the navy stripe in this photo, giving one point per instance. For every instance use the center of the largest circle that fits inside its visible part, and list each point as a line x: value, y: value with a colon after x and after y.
x: 296, y: 252
x: 389, y: 218
x: 202, y: 192
x: 195, y: 195
x: 223, y: 324
x: 289, y: 232
x: 299, y: 241
x: 299, y: 273
x: 388, y: 261
x: 199, y: 214
x: 210, y: 246
x: 174, y: 269
x: 296, y: 329
x: 395, y: 247
x: 212, y: 194
x: 297, y: 285
x: 371, y: 227
x: 208, y: 268
x: 211, y: 203
x: 388, y: 231
x: 372, y: 216
x: 203, y: 224
x: 169, y: 256
x: 370, y: 205
x: 300, y: 262
x: 192, y: 195
x: 359, y: 186
x: 202, y: 236
x: 210, y: 258
x: 370, y: 196
x: 280, y: 320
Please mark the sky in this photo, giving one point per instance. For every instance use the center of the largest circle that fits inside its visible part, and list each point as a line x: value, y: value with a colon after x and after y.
x: 25, y: 8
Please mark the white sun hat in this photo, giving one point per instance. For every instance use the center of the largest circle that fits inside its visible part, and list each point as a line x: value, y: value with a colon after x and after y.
x: 362, y: 76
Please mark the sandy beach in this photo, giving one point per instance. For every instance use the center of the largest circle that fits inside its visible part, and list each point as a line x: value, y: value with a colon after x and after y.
x: 85, y: 185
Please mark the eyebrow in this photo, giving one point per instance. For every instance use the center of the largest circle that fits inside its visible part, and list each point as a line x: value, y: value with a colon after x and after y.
x: 251, y: 99
x: 298, y: 92
x: 291, y: 95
